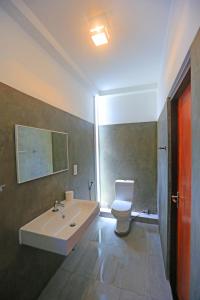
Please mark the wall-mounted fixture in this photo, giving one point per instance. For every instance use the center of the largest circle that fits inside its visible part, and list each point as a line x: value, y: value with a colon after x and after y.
x: 52, y: 232
x: 90, y: 184
x: 162, y: 148
x: 75, y: 169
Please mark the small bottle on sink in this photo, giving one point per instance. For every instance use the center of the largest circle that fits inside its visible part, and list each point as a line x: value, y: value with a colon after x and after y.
x: 69, y: 195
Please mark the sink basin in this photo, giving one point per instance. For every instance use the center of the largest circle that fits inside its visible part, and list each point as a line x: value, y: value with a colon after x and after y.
x: 59, y: 231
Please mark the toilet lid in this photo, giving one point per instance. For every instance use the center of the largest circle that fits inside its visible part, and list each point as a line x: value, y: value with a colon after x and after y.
x: 121, y: 206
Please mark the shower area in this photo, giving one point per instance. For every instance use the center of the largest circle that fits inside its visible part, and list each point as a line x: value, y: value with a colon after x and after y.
x: 126, y: 151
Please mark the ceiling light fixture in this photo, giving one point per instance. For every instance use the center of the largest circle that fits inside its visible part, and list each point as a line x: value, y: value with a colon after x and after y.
x: 99, y: 35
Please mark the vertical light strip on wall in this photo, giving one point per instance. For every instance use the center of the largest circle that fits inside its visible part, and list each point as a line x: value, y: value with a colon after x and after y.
x: 97, y: 148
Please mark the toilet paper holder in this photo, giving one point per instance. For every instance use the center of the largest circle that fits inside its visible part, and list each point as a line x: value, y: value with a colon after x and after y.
x: 162, y: 148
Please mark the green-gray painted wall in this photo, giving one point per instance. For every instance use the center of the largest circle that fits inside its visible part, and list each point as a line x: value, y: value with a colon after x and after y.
x: 129, y: 151
x: 24, y: 271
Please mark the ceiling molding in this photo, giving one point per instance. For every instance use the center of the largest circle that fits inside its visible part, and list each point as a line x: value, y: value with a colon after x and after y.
x: 21, y: 13
x: 130, y: 90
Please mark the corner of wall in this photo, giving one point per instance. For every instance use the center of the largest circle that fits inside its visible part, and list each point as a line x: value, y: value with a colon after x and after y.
x: 183, y: 25
x: 27, y: 66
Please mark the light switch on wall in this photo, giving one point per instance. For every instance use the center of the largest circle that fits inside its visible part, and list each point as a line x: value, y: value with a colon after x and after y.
x: 75, y: 169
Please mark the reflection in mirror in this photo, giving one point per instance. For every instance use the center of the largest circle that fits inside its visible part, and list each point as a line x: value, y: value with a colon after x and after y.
x: 40, y: 152
x: 59, y: 148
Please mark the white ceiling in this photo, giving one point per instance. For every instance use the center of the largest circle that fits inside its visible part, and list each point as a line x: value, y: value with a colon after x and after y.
x: 134, y: 54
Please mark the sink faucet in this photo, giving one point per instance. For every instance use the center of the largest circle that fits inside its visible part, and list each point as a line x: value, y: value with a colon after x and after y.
x: 56, y: 205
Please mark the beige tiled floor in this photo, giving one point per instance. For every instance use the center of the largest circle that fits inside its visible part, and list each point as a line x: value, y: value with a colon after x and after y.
x: 106, y: 267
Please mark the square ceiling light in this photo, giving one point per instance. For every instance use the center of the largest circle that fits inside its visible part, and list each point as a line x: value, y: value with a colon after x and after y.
x: 99, y: 35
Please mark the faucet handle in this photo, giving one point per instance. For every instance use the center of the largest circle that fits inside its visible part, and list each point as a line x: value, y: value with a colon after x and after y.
x: 59, y: 203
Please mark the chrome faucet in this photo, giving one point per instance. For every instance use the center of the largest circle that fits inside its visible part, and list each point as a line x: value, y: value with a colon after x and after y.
x: 56, y: 205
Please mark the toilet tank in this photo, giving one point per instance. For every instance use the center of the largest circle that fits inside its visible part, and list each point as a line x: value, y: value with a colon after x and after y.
x: 124, y: 190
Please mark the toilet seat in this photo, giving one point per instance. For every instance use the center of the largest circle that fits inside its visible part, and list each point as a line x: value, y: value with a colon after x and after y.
x: 121, y: 208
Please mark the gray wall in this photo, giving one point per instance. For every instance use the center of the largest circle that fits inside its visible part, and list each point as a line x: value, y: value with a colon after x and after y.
x: 162, y: 182
x: 128, y: 151
x: 24, y: 270
x: 195, y: 228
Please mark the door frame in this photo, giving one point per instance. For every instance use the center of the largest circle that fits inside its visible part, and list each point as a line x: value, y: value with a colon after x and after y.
x: 182, y: 80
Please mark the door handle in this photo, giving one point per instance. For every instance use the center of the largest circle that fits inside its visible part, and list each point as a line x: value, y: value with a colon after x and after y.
x: 175, y: 198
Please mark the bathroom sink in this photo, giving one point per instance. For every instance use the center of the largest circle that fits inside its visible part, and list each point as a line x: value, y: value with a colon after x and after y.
x: 59, y: 231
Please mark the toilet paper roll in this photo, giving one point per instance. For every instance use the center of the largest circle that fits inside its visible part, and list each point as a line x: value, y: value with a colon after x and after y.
x: 69, y: 195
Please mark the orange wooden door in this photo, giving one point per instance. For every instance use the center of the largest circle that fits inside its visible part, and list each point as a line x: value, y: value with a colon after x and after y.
x: 184, y: 189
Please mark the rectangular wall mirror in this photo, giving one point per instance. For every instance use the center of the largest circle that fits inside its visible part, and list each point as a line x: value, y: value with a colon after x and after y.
x: 40, y: 152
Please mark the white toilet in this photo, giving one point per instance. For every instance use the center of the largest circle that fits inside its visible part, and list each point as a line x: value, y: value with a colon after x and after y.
x: 122, y: 205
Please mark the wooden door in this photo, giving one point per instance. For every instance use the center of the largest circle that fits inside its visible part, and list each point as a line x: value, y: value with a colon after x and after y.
x: 184, y: 189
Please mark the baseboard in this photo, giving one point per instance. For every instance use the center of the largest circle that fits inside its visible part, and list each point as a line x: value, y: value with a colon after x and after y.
x: 138, y: 217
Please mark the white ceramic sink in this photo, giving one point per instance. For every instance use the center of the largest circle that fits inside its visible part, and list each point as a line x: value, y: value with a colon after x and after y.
x: 51, y: 232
